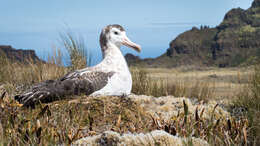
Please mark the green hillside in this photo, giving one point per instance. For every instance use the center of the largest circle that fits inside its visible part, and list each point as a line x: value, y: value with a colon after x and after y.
x: 235, y: 41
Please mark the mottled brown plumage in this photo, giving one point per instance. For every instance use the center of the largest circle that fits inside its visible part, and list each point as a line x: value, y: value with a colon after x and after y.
x: 52, y: 90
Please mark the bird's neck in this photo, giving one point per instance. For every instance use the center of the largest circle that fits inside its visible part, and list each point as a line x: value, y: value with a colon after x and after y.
x: 111, y: 50
x: 112, y: 56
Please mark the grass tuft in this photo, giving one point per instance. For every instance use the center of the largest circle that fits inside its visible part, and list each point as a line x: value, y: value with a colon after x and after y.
x: 145, y: 84
x: 248, y: 103
x: 17, y: 75
x: 80, y: 56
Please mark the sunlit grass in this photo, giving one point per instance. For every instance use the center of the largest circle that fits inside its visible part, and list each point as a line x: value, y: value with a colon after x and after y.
x: 143, y: 83
x: 248, y: 99
x: 80, y: 56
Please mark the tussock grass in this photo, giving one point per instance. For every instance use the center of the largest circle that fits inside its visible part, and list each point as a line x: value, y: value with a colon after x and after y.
x: 63, y: 122
x: 22, y: 75
x: 248, y: 100
x: 80, y: 57
x: 145, y: 84
x: 216, y: 131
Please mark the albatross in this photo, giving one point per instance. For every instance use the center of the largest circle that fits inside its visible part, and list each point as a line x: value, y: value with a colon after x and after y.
x: 111, y: 77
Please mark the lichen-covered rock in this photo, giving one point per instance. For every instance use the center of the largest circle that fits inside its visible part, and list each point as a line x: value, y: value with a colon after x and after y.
x: 168, y: 106
x: 157, y: 137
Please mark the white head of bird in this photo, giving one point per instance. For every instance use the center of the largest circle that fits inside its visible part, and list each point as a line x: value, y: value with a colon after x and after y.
x: 114, y: 36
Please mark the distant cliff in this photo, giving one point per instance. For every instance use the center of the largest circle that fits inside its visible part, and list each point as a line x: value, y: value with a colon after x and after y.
x: 234, y: 42
x: 18, y: 55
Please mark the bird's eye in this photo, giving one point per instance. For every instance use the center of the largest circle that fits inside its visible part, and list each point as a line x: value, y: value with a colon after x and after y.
x: 116, y: 33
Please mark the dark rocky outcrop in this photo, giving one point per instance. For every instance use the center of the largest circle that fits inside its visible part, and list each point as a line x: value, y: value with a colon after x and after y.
x: 256, y: 4
x: 18, y: 55
x: 130, y: 58
x: 233, y: 42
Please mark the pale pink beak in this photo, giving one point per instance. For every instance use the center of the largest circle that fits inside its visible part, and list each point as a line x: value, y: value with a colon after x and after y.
x: 131, y: 44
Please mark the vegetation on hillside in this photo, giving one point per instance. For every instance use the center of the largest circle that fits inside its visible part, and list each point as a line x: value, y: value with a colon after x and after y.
x: 234, y: 42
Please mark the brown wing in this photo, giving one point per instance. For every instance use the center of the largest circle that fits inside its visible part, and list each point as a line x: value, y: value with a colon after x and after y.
x: 75, y: 84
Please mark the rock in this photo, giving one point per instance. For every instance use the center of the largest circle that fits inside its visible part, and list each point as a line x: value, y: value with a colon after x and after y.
x: 132, y: 59
x: 154, y: 138
x: 235, y: 41
x: 18, y: 55
x: 256, y: 3
x: 213, y: 76
x: 168, y: 106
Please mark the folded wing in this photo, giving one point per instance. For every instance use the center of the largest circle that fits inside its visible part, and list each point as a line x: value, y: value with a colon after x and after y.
x: 72, y: 84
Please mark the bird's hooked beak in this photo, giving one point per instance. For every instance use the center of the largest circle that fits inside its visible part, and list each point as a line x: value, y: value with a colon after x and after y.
x: 129, y: 43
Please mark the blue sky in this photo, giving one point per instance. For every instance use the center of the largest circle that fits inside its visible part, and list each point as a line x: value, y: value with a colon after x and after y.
x: 153, y: 24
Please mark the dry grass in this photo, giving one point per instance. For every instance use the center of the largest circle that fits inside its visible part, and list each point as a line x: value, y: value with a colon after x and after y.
x: 214, y: 131
x: 21, y: 75
x: 63, y: 122
x: 17, y: 75
x: 144, y: 83
x: 80, y: 57
x: 248, y: 99
x: 223, y: 82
